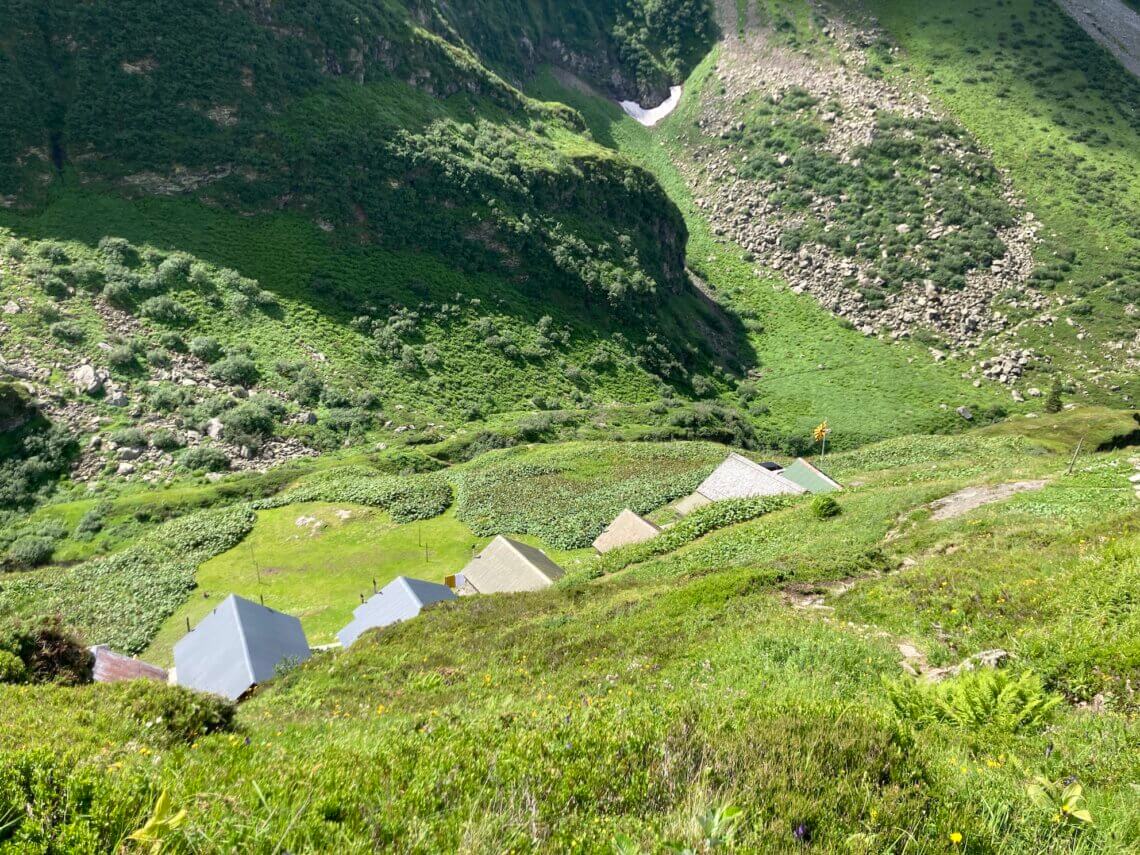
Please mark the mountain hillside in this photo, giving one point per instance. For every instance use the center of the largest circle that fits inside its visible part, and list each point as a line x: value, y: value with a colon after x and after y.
x: 298, y: 297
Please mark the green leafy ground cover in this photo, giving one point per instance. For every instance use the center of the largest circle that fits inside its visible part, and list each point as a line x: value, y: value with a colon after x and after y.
x: 634, y: 705
x: 566, y: 495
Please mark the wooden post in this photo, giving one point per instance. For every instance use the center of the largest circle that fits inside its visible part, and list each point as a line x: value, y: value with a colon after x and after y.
x: 1076, y: 454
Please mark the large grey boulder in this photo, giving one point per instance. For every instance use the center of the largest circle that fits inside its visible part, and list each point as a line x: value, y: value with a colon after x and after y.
x: 87, y: 380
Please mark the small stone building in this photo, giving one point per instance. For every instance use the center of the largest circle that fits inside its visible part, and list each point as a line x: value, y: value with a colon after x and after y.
x: 626, y: 529
x: 506, y: 565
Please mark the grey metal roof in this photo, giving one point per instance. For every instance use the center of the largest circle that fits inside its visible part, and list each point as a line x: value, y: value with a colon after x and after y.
x: 506, y: 565
x: 401, y: 599
x: 740, y: 478
x: 236, y: 646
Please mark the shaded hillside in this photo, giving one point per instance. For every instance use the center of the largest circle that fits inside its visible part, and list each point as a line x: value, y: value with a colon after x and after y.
x: 360, y: 115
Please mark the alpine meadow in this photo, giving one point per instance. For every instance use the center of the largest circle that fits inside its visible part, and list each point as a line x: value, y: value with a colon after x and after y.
x: 618, y: 426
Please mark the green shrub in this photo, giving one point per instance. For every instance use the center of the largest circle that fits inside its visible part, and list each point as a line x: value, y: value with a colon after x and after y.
x: 87, y: 276
x: 205, y: 348
x: 172, y: 714
x: 204, y: 458
x: 52, y: 252
x: 92, y: 521
x: 172, y: 341
x: 165, y: 310
x: 249, y: 424
x: 166, y: 398
x: 158, y: 357
x: 118, y: 251
x: 825, y: 507
x: 12, y: 668
x: 118, y: 293
x: 1053, y: 403
x: 123, y: 358
x: 51, y: 653
x: 987, y: 698
x: 30, y: 551
x: 131, y: 437
x: 69, y: 331
x: 236, y: 370
x: 165, y: 439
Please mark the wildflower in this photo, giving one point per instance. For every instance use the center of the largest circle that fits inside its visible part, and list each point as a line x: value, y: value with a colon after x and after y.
x: 802, y: 833
x: 380, y: 710
x: 955, y: 837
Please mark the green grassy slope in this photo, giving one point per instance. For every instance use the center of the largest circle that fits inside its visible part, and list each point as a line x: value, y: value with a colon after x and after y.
x: 625, y: 711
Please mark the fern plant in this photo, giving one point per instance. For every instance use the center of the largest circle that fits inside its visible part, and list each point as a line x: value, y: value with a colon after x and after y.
x: 975, y: 700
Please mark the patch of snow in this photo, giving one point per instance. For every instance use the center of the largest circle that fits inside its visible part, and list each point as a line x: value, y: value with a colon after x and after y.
x: 650, y: 116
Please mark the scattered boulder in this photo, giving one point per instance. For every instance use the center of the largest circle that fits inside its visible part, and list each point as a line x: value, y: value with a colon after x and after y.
x: 87, y: 379
x: 214, y: 428
x: 966, y: 413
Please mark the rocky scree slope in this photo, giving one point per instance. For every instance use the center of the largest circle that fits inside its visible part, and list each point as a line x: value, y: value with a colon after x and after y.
x: 862, y: 194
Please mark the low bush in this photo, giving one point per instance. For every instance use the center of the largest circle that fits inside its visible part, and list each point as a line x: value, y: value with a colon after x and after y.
x: 30, y: 551
x: 205, y: 458
x: 205, y: 348
x: 50, y: 652
x: 165, y: 439
x: 68, y: 331
x: 248, y: 424
x: 236, y: 370
x: 825, y: 507
x: 130, y: 437
x: 92, y: 521
x: 12, y: 668
x: 123, y: 358
x: 988, y: 698
x: 172, y: 714
x: 165, y: 310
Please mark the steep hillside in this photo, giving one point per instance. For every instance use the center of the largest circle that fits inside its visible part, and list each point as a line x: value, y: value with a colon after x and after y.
x: 737, y: 686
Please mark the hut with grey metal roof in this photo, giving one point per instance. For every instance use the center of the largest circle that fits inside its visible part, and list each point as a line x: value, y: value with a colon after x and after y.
x: 236, y: 646
x: 401, y: 599
x: 506, y: 565
x: 626, y: 529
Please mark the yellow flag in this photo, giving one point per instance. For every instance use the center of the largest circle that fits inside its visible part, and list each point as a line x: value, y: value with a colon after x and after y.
x: 821, y: 431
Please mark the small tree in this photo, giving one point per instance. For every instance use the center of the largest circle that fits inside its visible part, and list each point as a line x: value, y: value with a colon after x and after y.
x: 1053, y: 403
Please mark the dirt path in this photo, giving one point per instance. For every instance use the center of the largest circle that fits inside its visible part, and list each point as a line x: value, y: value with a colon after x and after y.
x: 1111, y: 23
x: 964, y: 501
